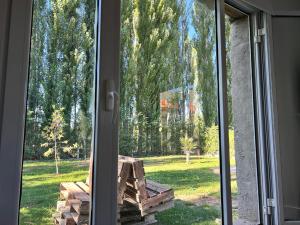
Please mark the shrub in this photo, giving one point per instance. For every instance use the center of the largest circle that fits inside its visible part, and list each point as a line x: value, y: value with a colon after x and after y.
x: 187, y: 145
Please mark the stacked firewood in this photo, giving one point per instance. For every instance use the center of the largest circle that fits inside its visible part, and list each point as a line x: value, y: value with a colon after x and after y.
x: 138, y: 199
x: 74, y: 207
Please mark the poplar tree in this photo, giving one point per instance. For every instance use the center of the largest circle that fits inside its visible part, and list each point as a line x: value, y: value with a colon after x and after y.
x: 205, y: 45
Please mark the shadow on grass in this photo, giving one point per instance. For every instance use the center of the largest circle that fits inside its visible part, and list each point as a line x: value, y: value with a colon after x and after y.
x: 153, y: 161
x: 41, y: 190
x: 187, y: 180
x: 185, y: 213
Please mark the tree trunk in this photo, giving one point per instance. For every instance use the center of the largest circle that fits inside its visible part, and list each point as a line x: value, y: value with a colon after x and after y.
x: 78, y: 153
x: 187, y: 153
x: 56, y: 156
x: 84, y: 147
x: 90, y: 178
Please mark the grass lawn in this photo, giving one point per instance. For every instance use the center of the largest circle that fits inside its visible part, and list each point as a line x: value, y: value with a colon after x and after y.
x: 196, y: 186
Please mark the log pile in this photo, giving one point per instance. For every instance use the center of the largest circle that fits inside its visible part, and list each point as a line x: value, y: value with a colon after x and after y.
x: 138, y: 199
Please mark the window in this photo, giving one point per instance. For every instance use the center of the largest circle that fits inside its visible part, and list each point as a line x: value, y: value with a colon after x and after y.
x: 173, y: 114
x: 169, y: 113
x: 60, y: 113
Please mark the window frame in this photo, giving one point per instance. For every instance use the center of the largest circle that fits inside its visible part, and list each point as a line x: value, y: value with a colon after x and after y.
x: 14, y: 75
x: 106, y: 131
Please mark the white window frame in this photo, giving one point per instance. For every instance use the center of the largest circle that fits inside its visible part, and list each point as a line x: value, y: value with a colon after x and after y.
x: 13, y: 86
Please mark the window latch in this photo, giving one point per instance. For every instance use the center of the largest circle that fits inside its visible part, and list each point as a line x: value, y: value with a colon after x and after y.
x: 112, y: 99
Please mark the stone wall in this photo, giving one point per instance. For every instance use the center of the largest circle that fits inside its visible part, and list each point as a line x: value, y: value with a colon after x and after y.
x: 243, y: 121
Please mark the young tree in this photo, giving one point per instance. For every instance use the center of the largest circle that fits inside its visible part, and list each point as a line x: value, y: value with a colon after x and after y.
x: 54, y: 134
x: 187, y: 145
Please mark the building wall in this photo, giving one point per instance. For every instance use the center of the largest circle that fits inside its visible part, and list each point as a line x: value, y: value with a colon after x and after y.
x: 243, y: 122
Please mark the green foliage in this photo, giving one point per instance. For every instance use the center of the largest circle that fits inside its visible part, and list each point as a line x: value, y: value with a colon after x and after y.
x: 61, y: 71
x: 212, y: 140
x: 165, y: 46
x: 200, y: 133
x: 231, y: 143
x: 54, y: 134
x: 187, y: 144
x: 205, y: 45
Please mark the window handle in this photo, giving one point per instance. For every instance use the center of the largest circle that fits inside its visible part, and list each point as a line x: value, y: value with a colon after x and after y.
x: 112, y: 100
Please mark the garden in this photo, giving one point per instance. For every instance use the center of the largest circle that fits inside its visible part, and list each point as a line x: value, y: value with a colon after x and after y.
x: 168, y: 108
x: 196, y: 185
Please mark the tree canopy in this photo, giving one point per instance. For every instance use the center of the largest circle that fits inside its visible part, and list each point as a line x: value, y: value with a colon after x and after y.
x: 168, y: 87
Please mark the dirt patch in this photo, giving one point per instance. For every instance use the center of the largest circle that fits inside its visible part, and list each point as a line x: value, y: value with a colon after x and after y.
x: 203, y: 200
x: 216, y: 171
x: 208, y: 200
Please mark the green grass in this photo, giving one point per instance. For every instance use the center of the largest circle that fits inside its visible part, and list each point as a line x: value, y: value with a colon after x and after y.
x: 193, y: 183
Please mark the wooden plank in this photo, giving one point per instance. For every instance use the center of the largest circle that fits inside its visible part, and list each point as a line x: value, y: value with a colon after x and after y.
x: 146, y: 221
x: 69, y: 219
x: 59, y: 221
x: 69, y: 202
x: 124, y: 171
x: 83, y: 186
x: 160, y: 208
x: 138, y: 170
x: 139, y: 185
x: 79, y: 219
x: 63, y: 210
x: 124, y: 168
x: 70, y: 190
x: 65, y: 195
x: 157, y: 187
x: 60, y: 204
x: 134, y: 194
x: 78, y: 208
x: 70, y: 186
x: 152, y: 194
x: 138, y: 166
x: 157, y: 200
x: 130, y: 218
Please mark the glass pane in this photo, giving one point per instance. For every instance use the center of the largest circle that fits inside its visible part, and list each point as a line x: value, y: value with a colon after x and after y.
x: 169, y: 138
x: 244, y: 178
x: 60, y: 111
